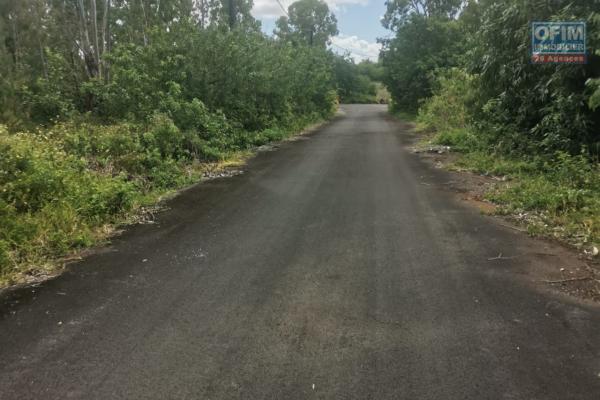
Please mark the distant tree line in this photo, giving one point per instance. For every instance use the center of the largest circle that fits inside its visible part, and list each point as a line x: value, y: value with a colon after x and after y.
x: 126, y: 59
x: 358, y: 82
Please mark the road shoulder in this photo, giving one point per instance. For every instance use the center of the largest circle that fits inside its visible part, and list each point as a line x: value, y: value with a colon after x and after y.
x: 564, y: 269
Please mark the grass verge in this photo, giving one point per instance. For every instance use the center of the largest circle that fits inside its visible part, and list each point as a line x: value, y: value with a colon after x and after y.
x: 69, y: 187
x: 402, y: 115
x: 555, y: 196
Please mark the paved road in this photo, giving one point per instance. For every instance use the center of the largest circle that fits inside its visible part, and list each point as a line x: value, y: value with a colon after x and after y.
x: 326, y: 271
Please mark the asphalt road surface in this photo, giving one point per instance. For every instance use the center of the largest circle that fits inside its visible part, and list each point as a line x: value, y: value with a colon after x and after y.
x: 328, y: 270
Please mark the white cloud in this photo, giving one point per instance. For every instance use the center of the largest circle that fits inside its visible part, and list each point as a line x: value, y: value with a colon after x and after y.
x: 269, y: 9
x: 359, y: 49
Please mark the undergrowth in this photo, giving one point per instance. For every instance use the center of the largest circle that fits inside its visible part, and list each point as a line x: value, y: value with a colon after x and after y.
x: 554, y: 193
x: 556, y: 196
x: 407, y: 116
x: 64, y: 188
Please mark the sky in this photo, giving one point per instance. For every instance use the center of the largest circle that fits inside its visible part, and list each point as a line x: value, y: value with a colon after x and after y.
x: 358, y: 22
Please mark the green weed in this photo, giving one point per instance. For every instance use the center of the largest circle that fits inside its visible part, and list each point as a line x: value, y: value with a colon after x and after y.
x: 561, y: 195
x: 61, y: 187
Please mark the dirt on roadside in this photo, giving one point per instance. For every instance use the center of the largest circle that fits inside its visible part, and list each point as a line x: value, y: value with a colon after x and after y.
x: 563, y: 268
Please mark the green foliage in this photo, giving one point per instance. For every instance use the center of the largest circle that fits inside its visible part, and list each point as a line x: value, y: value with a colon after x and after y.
x: 354, y: 85
x: 49, y: 98
x: 106, y: 114
x: 307, y: 22
x: 374, y: 71
x: 153, y: 61
x: 164, y: 137
x: 408, y: 64
x: 50, y: 199
x: 451, y: 102
x: 399, y: 12
x: 461, y: 140
x: 537, y: 125
x: 594, y: 99
x: 514, y: 106
x: 561, y: 194
x: 255, y: 81
x: 494, y: 164
x: 533, y: 108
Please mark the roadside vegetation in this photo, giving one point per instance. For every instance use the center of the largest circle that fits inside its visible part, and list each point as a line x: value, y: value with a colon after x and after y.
x: 105, y: 106
x: 471, y: 87
x: 359, y: 83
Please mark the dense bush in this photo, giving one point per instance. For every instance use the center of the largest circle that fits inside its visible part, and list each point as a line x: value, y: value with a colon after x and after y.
x: 452, y: 100
x: 151, y: 61
x: 50, y: 198
x: 535, y: 125
x: 541, y: 108
x: 256, y: 81
x: 104, y: 111
x: 477, y: 66
x: 60, y: 184
x: 355, y: 82
x: 421, y: 46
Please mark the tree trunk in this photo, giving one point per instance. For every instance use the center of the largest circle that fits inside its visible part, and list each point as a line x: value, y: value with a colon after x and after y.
x: 231, y: 14
x: 145, y: 23
x: 88, y: 54
x: 43, y: 58
x: 14, y: 48
x: 94, y: 17
x: 105, y: 39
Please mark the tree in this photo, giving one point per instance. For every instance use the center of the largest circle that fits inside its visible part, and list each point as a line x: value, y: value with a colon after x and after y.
x: 398, y: 12
x: 530, y: 108
x: 422, y: 45
x: 354, y: 83
x: 373, y: 70
x: 127, y: 59
x: 515, y: 106
x: 235, y: 14
x: 309, y: 22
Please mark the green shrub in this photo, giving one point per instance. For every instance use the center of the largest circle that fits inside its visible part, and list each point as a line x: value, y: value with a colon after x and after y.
x: 563, y: 190
x: 165, y: 137
x: 450, y: 104
x: 60, y: 185
x: 494, y: 164
x: 422, y: 44
x: 212, y: 153
x: 103, y: 197
x: 458, y: 139
x: 28, y: 174
x: 273, y: 134
x: 534, y: 109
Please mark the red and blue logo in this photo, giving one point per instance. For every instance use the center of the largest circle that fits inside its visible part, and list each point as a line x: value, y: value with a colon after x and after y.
x: 558, y: 42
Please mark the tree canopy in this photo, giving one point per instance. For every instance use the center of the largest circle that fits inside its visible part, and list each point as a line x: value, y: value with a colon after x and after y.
x: 518, y: 106
x: 309, y: 22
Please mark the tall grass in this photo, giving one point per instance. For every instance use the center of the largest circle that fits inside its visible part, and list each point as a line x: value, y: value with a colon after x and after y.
x: 558, y: 193
x: 62, y: 188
